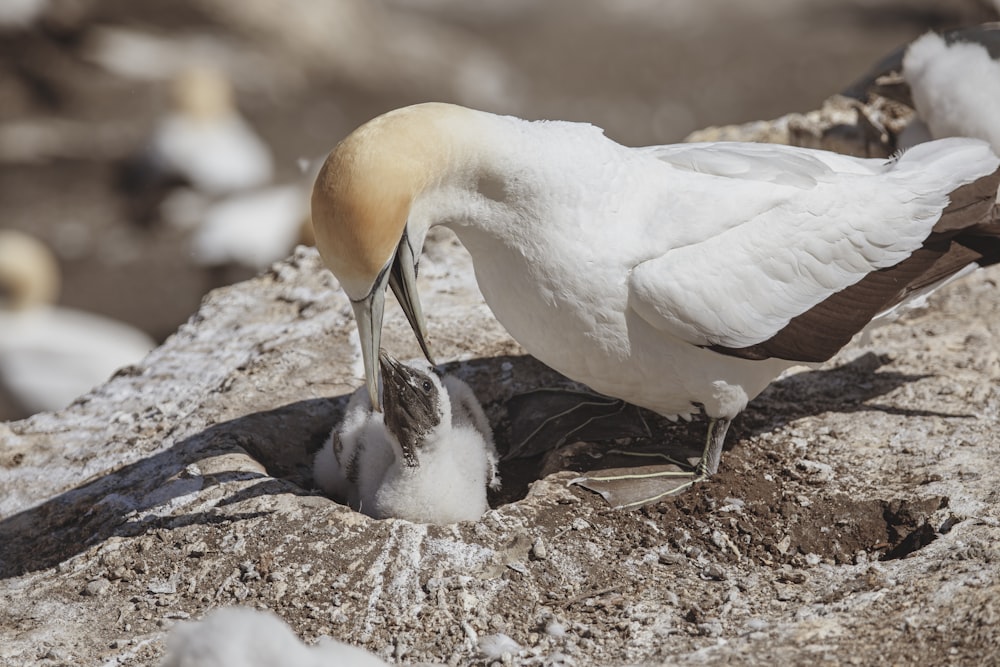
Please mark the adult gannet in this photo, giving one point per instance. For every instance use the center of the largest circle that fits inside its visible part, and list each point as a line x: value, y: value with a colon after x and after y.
x: 429, y: 458
x: 202, y: 141
x: 679, y: 278
x: 50, y: 355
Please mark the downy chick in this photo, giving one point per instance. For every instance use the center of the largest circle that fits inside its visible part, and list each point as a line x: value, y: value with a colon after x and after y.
x: 429, y: 458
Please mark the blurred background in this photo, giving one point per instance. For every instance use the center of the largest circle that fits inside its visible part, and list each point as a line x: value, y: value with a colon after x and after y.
x: 161, y: 148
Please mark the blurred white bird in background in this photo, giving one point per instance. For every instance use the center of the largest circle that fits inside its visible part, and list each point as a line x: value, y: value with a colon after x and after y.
x: 429, y: 458
x: 253, y: 229
x: 201, y: 141
x: 680, y: 278
x: 51, y: 355
x: 207, y: 171
x: 244, y: 637
x: 20, y: 14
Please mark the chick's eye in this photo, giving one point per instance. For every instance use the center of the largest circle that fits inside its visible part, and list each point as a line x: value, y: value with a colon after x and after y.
x: 426, y: 385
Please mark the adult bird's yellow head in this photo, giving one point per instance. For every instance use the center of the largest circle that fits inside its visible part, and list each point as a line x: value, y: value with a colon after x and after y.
x: 361, y: 212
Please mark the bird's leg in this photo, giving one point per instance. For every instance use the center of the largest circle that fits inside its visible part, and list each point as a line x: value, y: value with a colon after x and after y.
x: 709, y: 463
x: 634, y: 487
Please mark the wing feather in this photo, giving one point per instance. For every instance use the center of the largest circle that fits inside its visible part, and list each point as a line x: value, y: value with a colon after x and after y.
x: 841, y: 220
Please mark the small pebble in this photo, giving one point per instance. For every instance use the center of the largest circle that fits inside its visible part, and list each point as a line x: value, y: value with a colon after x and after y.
x: 555, y: 629
x: 97, y: 587
x: 671, y: 558
x: 793, y: 577
x: 518, y: 567
x: 538, y: 550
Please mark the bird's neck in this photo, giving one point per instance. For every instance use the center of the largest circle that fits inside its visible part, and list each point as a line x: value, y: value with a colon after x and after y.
x: 488, y: 182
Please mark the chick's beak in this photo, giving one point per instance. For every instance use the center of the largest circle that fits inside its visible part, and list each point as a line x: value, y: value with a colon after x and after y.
x: 398, y: 380
x: 403, y: 281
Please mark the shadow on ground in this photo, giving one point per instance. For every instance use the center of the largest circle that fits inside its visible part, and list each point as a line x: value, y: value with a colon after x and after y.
x: 138, y: 497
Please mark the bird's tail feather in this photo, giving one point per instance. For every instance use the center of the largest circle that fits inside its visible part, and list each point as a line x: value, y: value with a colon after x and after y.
x: 973, y: 205
x: 960, y: 160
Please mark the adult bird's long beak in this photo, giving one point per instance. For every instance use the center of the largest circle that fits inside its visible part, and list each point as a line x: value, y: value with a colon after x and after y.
x: 403, y: 281
x: 368, y: 315
x: 401, y: 275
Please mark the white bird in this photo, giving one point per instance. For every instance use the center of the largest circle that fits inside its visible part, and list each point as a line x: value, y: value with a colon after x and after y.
x: 50, y: 355
x: 21, y: 14
x: 956, y: 86
x: 428, y: 459
x: 951, y: 81
x: 203, y: 140
x: 679, y: 278
x: 244, y: 637
x: 255, y: 228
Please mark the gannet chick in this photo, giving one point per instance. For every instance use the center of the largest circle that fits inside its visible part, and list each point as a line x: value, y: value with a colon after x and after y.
x: 951, y: 82
x: 50, y: 355
x: 353, y: 460
x: 956, y: 86
x: 680, y: 278
x: 428, y: 458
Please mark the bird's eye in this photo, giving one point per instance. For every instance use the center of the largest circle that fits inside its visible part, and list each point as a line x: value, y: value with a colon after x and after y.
x: 427, y: 385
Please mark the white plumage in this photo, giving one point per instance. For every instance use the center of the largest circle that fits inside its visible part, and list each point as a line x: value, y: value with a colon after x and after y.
x: 254, y: 228
x: 428, y: 459
x: 21, y: 14
x: 204, y: 139
x: 679, y: 278
x: 955, y: 88
x: 353, y: 460
x: 51, y: 355
x: 244, y: 637
x: 790, y: 256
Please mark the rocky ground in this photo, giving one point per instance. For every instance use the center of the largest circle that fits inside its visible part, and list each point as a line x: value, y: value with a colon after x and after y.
x: 853, y: 521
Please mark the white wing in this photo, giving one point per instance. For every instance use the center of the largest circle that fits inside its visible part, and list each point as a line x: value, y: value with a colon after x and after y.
x: 765, y: 163
x: 840, y: 219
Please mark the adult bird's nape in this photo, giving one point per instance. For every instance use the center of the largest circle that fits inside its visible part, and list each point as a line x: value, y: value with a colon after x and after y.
x: 681, y: 278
